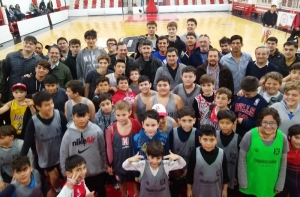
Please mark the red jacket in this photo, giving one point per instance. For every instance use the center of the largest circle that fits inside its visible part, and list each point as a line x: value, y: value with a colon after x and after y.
x: 120, y: 95
x: 296, y: 21
x: 293, y: 168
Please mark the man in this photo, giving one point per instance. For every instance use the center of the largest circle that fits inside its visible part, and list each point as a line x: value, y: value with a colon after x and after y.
x: 162, y: 44
x: 151, y: 29
x: 204, y: 46
x: 146, y: 63
x: 296, y: 30
x: 223, y: 76
x: 172, y: 69
x: 190, y: 28
x: 121, y: 55
x: 224, y: 45
x: 191, y: 54
x: 275, y: 55
x: 39, y: 51
x: 174, y: 40
x: 62, y: 43
x: 269, y: 20
x: 87, y: 58
x: 290, y: 57
x: 111, y: 44
x: 58, y: 69
x: 75, y: 46
x: 21, y: 62
x: 236, y: 61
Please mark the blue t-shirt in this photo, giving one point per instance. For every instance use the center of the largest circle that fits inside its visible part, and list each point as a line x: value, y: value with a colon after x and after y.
x: 31, y: 185
x: 163, y: 58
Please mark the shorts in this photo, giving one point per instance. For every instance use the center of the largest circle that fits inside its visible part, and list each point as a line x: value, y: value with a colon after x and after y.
x: 49, y: 169
x: 267, y: 31
x: 124, y: 178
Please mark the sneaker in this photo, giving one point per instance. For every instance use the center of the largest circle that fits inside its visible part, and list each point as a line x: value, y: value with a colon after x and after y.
x: 116, y: 186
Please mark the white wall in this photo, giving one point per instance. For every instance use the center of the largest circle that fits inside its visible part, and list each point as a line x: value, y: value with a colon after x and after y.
x: 24, y: 4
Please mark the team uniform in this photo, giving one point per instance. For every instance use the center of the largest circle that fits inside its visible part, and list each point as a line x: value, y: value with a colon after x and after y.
x: 170, y: 107
x: 141, y: 106
x: 187, y: 98
x: 70, y: 105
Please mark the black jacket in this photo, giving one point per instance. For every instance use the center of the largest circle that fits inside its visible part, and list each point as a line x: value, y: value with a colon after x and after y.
x: 33, y: 85
x: 155, y: 48
x: 276, y: 57
x: 178, y: 44
x: 71, y: 63
x: 283, y: 68
x: 129, y: 62
x: 269, y: 19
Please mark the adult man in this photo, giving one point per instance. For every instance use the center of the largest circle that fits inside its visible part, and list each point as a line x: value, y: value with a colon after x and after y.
x: 39, y: 51
x: 87, y: 58
x: 236, y: 61
x: 121, y: 55
x: 174, y: 40
x: 146, y: 63
x: 111, y: 44
x: 63, y: 45
x: 21, y: 62
x: 151, y: 29
x: 224, y: 45
x: 204, y: 46
x: 190, y: 28
x: 162, y: 44
x: 223, y: 76
x: 274, y: 55
x: 269, y: 20
x: 75, y: 46
x: 191, y: 54
x: 172, y: 69
x: 296, y: 30
x: 58, y: 69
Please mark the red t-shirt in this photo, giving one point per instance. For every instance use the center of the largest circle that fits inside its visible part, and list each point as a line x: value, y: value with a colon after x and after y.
x: 120, y: 95
x: 79, y: 190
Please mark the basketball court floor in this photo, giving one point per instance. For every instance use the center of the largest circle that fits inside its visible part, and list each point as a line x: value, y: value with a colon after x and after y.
x: 214, y: 24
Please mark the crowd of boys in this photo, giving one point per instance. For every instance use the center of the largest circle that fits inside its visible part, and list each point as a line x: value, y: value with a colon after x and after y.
x: 169, y: 118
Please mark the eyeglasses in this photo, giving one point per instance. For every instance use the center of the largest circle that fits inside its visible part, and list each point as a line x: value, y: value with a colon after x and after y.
x: 272, y: 124
x: 110, y: 44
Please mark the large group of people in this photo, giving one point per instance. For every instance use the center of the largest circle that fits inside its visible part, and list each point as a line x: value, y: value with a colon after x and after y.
x: 176, y: 118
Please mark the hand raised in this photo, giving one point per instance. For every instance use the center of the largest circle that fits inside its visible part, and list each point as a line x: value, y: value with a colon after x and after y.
x: 172, y: 156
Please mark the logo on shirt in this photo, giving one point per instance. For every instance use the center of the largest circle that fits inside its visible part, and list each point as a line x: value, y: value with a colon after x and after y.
x: 232, y: 155
x: 82, y: 141
x: 162, y: 181
x: 81, y: 151
x: 125, y: 141
x: 256, y: 101
x: 276, y: 151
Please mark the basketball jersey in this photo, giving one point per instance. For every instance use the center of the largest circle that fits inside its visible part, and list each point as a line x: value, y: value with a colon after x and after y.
x: 48, y: 140
x: 231, y: 153
x: 70, y: 108
x: 208, y: 179
x: 170, y: 107
x: 151, y: 185
x: 169, y: 125
x: 16, y: 116
x: 188, y: 99
x: 112, y: 80
x: 141, y: 106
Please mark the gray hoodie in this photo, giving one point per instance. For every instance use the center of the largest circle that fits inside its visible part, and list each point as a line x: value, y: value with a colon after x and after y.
x: 87, y: 60
x: 89, y: 144
x: 103, y: 121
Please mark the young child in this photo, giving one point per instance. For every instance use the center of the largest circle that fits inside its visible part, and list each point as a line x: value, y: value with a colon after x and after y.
x: 106, y: 114
x: 119, y: 145
x: 102, y: 87
x: 119, y: 68
x: 229, y: 141
x: 207, y: 168
x: 270, y: 88
x: 10, y: 148
x: 27, y: 181
x: 187, y: 90
x: 44, y: 132
x: 166, y: 123
x: 134, y: 75
x: 182, y: 141
x: 123, y: 91
x: 59, y: 96
x: 93, y: 75
x: 154, y: 171
x: 75, y: 167
x: 74, y: 92
x: 248, y: 106
x: 294, y: 75
x: 86, y: 139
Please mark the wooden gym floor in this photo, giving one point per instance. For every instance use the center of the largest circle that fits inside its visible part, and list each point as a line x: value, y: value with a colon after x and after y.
x: 214, y: 24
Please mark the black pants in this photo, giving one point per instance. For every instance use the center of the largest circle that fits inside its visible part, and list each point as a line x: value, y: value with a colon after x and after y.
x: 97, y: 183
x: 294, y: 33
x: 178, y: 187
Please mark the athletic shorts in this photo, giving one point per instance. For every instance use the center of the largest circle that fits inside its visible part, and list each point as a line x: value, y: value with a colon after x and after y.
x: 267, y: 31
x: 123, y: 178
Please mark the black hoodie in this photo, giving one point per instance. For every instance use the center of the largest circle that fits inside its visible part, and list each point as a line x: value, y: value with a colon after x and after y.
x: 178, y: 44
x: 33, y: 85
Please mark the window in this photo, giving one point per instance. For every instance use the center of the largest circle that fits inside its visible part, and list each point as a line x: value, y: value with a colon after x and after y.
x: 291, y: 3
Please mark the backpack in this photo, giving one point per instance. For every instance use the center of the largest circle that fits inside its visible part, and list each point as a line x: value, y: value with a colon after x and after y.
x: 3, y: 82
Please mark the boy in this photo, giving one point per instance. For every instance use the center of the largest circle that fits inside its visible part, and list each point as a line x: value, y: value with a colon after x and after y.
x: 134, y: 75
x: 75, y: 167
x: 74, y: 92
x: 75, y: 46
x: 58, y: 94
x: 187, y: 90
x: 205, y: 98
x: 27, y: 181
x: 44, y: 132
x: 34, y: 82
x: 294, y: 74
x: 119, y: 70
x: 248, y: 106
x: 182, y: 141
x: 151, y: 29
x: 271, y: 86
x: 229, y: 141
x: 207, y: 168
x: 93, y: 75
x: 106, y: 114
x: 166, y: 123
x: 119, y: 144
x: 86, y: 139
x: 174, y: 40
x: 103, y: 86
x: 154, y: 171
x: 123, y: 91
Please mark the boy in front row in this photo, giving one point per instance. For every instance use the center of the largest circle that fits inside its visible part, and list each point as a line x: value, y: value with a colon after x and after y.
x: 207, y: 168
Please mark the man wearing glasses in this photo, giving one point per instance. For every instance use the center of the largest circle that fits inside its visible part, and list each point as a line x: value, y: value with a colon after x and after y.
x: 111, y: 44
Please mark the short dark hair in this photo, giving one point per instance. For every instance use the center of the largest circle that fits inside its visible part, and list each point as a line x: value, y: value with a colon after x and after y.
x: 40, y: 44
x: 43, y: 63
x: 102, y: 79
x: 151, y: 23
x: 54, y: 47
x: 163, y: 38
x: 207, y: 78
x: 120, y: 61
x: 61, y: 38
x: 90, y: 33
x: 213, y: 49
x: 120, y: 44
x: 151, y: 114
x: 103, y: 97
x: 294, y: 130
x: 192, y: 20
x: 164, y: 79
x: 226, y: 114
x: 19, y: 163
x: 51, y: 79
x: 172, y: 24
x: 41, y: 97
x: 208, y: 130
x: 186, y: 111
x: 143, y: 78
x: 80, y: 109
x: 74, y: 41
x: 146, y: 42
x: 134, y: 69
x: 155, y: 148
x: 76, y: 86
x: 31, y: 39
x: 122, y: 78
x: 295, y: 66
x: 290, y: 43
x: 103, y: 57
x: 172, y: 49
x: 7, y: 130
x: 268, y: 111
x: 189, y: 69
x: 191, y: 34
x: 249, y: 84
x: 273, y: 6
x: 273, y: 39
x: 224, y: 40
x: 223, y: 90
x: 74, y: 161
x: 236, y: 37
x: 111, y: 40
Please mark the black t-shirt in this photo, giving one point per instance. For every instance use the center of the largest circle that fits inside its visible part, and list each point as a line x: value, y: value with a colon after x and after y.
x: 172, y: 71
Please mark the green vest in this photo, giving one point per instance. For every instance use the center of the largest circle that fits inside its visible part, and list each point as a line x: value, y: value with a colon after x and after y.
x: 263, y: 165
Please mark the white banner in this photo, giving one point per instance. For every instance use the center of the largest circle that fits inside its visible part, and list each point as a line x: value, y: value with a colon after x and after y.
x: 285, y: 20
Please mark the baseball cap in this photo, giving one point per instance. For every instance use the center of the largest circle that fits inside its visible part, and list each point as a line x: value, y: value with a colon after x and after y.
x: 18, y: 85
x: 161, y: 110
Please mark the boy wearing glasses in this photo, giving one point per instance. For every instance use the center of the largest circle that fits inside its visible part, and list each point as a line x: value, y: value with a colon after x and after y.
x: 111, y: 44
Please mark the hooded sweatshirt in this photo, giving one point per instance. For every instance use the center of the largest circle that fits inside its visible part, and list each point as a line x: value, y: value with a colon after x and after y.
x: 33, y: 85
x: 103, y: 120
x: 87, y: 60
x: 88, y: 143
x: 287, y: 118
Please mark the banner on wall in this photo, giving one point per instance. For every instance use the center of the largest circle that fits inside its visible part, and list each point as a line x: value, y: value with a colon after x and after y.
x: 285, y: 20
